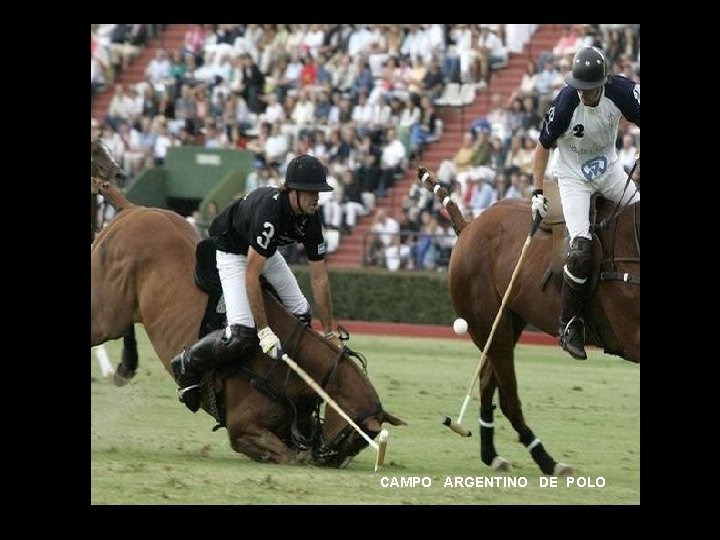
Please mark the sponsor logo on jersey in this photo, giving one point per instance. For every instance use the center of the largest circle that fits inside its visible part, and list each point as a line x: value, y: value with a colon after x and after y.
x: 594, y: 167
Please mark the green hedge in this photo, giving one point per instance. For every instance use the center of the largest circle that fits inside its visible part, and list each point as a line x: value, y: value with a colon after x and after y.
x: 379, y: 295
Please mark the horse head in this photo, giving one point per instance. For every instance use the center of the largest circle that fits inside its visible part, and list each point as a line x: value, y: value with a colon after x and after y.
x: 102, y: 163
x: 339, y: 441
x: 341, y: 377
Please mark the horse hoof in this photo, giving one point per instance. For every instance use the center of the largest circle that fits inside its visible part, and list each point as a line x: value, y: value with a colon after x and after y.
x: 119, y: 380
x: 500, y: 464
x: 563, y: 469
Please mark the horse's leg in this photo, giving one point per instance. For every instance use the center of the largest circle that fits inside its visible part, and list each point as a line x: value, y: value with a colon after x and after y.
x: 128, y: 365
x: 502, y: 358
x: 248, y: 414
x: 488, y: 454
x: 258, y: 443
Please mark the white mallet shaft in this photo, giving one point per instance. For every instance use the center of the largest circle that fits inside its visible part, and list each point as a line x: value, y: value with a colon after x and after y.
x: 382, y: 445
x: 104, y: 361
x: 506, y: 296
x: 323, y: 394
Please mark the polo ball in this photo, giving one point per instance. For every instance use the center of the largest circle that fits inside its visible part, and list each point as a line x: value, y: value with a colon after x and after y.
x: 460, y: 326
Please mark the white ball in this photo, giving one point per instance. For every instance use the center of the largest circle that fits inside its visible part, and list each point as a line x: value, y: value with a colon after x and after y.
x: 460, y: 326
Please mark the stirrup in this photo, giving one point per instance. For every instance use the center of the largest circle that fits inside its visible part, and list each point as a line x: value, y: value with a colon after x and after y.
x: 569, y: 335
x: 190, y: 396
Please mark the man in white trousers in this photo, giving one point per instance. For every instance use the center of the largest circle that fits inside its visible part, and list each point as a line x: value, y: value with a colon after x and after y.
x: 583, y: 121
x: 247, y: 234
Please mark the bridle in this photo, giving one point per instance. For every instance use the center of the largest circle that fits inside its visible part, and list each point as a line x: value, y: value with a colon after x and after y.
x: 323, y: 451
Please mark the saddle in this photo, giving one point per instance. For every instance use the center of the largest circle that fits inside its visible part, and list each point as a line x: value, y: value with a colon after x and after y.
x: 207, y: 279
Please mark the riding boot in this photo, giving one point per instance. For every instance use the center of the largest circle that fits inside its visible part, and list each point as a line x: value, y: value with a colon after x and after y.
x: 235, y: 343
x: 572, y: 325
x: 189, y: 365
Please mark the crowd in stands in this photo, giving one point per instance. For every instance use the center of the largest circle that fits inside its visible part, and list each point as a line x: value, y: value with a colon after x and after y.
x: 359, y: 97
x: 495, y: 159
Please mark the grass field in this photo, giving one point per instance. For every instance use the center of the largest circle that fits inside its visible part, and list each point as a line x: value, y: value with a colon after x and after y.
x: 146, y: 448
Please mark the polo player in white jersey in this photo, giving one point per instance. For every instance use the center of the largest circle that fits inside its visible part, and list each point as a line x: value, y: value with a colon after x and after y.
x: 583, y: 122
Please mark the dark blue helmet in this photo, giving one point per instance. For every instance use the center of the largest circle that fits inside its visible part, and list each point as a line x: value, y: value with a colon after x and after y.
x: 589, y: 69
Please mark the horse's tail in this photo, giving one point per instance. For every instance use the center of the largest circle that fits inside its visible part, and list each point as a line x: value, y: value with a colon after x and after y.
x: 111, y: 193
x: 458, y: 221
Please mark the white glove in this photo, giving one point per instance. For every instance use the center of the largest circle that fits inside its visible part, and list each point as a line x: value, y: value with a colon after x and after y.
x: 269, y: 343
x: 539, y: 203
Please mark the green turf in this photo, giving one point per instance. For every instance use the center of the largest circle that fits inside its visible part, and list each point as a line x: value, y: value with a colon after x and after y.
x: 148, y: 449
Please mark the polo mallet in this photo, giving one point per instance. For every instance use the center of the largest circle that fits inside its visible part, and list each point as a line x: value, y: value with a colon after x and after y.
x: 456, y: 426
x: 103, y: 359
x: 379, y: 448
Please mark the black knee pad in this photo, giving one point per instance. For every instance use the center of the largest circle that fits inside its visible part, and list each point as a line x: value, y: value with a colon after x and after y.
x: 579, y: 258
x: 242, y: 342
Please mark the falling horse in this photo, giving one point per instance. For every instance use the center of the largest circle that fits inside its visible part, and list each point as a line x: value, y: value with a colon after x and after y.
x: 480, y: 270
x: 142, y: 267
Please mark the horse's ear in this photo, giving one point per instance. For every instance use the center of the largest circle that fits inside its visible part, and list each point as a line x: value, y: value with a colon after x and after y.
x: 393, y: 420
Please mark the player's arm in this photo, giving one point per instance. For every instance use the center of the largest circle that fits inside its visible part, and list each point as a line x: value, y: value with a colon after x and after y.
x: 255, y: 265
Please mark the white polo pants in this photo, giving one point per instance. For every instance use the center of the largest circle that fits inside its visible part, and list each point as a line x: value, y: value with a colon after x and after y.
x: 231, y: 268
x: 575, y: 196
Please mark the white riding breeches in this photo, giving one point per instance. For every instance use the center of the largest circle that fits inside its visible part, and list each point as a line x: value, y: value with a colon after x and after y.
x: 231, y: 268
x: 575, y: 196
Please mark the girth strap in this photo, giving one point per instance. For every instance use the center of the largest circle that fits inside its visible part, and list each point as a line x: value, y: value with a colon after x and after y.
x: 619, y: 276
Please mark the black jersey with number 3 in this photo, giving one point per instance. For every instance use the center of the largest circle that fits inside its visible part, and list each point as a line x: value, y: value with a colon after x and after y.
x: 264, y: 220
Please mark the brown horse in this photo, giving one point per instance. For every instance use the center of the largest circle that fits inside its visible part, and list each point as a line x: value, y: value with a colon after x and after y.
x: 142, y: 271
x: 481, y: 265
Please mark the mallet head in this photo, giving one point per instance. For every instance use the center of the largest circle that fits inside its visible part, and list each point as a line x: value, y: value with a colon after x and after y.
x: 457, y: 428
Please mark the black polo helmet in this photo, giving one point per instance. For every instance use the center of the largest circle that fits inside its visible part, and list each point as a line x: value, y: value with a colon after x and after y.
x: 306, y: 173
x: 589, y: 69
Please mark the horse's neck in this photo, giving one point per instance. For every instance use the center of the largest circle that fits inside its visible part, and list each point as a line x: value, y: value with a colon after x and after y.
x: 619, y: 231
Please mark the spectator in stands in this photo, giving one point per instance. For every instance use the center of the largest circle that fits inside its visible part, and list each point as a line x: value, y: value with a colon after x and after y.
x: 483, y: 195
x: 492, y: 52
x: 391, y: 162
x: 532, y: 119
x: 97, y: 75
x: 466, y: 153
x: 158, y: 70
x: 483, y: 150
x: 426, y: 251
x: 410, y: 116
x: 549, y: 81
x: 424, y: 129
x: 252, y: 84
x: 567, y: 43
x: 514, y: 190
x: 384, y: 233
x: 497, y: 154
x: 194, y: 43
x: 432, y: 82
x: 322, y: 108
x: 121, y: 106
x: 352, y: 203
x: 185, y: 112
x: 583, y: 122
